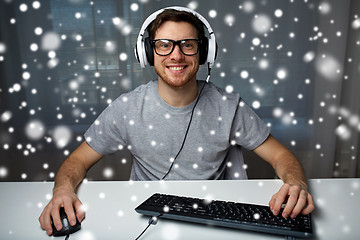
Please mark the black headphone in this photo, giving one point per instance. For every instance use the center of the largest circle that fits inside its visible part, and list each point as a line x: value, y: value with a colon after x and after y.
x: 144, y: 52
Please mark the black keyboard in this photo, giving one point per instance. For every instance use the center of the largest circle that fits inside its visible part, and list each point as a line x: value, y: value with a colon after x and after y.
x: 225, y: 214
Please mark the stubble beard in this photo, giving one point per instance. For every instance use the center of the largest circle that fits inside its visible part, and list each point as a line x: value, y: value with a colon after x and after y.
x: 177, y: 82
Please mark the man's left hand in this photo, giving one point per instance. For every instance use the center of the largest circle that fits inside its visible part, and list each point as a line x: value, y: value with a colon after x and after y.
x: 296, y: 198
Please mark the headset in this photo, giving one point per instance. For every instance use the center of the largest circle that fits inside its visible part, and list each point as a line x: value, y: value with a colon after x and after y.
x: 144, y: 52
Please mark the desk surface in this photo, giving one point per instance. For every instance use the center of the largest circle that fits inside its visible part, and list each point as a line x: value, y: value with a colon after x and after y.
x: 110, y: 209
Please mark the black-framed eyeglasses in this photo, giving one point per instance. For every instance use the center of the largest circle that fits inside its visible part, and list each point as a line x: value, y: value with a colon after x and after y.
x: 164, y: 47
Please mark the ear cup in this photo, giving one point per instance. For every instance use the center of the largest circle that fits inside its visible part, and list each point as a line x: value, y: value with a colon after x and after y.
x: 216, y: 50
x: 212, y: 50
x: 140, y: 54
x: 203, y: 50
x: 149, y: 51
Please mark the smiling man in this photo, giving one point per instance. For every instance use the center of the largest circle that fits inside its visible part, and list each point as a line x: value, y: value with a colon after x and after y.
x: 178, y: 127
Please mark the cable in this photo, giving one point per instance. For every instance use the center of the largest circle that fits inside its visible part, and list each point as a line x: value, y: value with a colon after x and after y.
x: 143, y: 231
x: 188, y: 127
x: 152, y: 220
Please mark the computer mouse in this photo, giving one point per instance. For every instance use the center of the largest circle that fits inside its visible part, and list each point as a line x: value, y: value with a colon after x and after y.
x: 67, y: 228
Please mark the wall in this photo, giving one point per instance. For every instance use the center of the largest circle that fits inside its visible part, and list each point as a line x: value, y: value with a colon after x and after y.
x: 62, y: 62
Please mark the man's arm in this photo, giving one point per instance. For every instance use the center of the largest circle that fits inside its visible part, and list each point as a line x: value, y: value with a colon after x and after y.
x: 71, y: 173
x: 294, y: 191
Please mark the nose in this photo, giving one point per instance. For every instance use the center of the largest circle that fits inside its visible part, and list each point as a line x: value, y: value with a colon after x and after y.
x: 177, y: 54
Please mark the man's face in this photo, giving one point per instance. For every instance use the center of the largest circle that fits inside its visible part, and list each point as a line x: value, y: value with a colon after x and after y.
x: 176, y: 69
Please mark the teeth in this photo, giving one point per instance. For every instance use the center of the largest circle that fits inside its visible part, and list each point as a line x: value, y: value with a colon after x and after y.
x: 176, y: 68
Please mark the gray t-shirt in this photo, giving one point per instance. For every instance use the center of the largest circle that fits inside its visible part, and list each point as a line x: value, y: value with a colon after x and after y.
x: 153, y: 131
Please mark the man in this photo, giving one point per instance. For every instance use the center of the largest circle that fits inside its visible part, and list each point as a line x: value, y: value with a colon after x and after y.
x: 177, y: 128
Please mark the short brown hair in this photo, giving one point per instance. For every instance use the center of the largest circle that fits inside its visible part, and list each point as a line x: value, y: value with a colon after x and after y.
x: 176, y: 16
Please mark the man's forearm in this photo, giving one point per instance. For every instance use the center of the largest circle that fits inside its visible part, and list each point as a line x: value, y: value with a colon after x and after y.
x: 75, y: 167
x: 286, y: 165
x: 289, y: 169
x: 70, y: 174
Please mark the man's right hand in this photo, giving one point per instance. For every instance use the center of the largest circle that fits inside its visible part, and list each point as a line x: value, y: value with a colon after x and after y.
x: 61, y: 198
x: 71, y: 173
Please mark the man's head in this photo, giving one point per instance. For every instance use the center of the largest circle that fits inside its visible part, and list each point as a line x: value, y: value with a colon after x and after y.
x: 176, y: 61
x: 175, y: 68
x: 175, y: 15
x: 143, y: 48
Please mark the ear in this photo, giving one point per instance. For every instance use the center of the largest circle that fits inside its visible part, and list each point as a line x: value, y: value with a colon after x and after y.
x: 149, y: 51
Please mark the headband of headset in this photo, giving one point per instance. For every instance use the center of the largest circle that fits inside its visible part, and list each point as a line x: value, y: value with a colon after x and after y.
x: 142, y: 54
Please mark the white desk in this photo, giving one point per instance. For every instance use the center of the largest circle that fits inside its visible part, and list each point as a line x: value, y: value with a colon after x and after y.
x: 110, y: 209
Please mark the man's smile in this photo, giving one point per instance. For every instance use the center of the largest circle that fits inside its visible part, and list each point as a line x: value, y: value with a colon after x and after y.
x: 176, y: 68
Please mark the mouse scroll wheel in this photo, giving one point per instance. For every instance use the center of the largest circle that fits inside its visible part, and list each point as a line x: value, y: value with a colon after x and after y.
x: 65, y: 224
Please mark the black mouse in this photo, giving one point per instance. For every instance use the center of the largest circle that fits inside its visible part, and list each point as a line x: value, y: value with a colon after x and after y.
x: 67, y: 228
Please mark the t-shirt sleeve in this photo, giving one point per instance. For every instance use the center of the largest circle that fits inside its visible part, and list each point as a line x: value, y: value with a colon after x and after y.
x: 248, y: 130
x: 107, y: 134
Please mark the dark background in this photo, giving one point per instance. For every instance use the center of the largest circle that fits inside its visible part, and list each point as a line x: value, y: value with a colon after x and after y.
x: 62, y: 62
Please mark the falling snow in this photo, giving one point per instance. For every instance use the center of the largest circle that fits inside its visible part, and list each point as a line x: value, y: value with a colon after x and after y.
x: 60, y: 85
